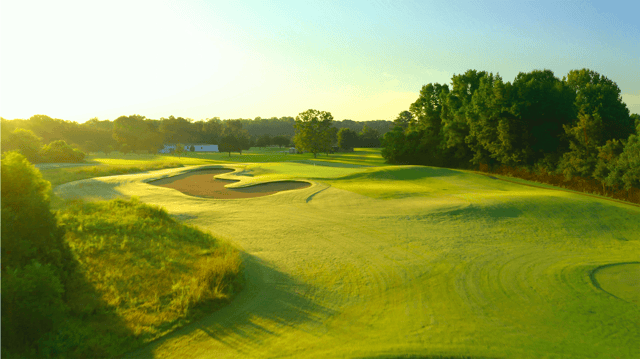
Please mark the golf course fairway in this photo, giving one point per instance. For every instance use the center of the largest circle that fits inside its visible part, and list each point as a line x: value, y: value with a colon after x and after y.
x: 406, y: 262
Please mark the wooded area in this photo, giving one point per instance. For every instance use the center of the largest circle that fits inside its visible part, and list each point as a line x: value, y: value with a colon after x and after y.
x: 577, y: 127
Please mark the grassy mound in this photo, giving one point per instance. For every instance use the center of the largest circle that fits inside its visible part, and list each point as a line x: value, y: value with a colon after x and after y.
x: 142, y: 274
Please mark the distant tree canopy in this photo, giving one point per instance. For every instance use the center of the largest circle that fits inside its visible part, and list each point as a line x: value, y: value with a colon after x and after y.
x: 313, y: 131
x: 139, y: 133
x: 573, y: 125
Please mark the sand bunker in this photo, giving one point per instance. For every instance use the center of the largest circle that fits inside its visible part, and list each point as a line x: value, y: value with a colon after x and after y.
x: 620, y: 280
x: 201, y: 183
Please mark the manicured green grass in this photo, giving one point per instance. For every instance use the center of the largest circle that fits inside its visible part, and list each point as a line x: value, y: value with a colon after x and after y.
x: 140, y: 275
x: 405, y: 261
x: 118, y: 163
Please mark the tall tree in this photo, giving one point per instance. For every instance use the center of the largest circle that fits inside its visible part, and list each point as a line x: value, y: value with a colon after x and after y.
x: 601, y: 116
x: 230, y: 143
x: 313, y: 132
x: 455, y: 127
x: 404, y: 119
x: 347, y: 139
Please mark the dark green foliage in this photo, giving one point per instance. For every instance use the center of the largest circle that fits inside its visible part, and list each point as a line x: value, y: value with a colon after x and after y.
x: 369, y: 137
x: 60, y: 151
x: 404, y: 120
x: 538, y: 123
x: 626, y: 171
x: 347, y: 139
x: 600, y: 98
x: 26, y: 142
x: 607, y: 162
x: 29, y: 229
x: 281, y: 141
x: 543, y: 105
x: 31, y: 304
x: 229, y: 143
x: 264, y: 141
x: 636, y: 120
x: 35, y: 261
x: 138, y: 133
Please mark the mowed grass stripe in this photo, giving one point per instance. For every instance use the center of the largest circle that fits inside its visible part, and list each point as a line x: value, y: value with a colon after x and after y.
x: 466, y: 266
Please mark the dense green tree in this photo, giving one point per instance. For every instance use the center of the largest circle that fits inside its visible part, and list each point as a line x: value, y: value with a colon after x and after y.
x: 229, y: 143
x: 495, y: 134
x: 25, y: 142
x: 35, y: 259
x: 404, y: 120
x: 29, y: 230
x: 281, y: 141
x: 542, y: 104
x: 626, y: 171
x: 607, y: 162
x: 347, y: 139
x: 129, y: 130
x: 369, y: 137
x: 601, y: 116
x: 211, y: 130
x: 600, y: 98
x: 176, y: 130
x: 313, y: 132
x: 454, y: 106
x: 60, y: 151
x: 393, y: 143
x: 264, y: 141
x: 241, y: 140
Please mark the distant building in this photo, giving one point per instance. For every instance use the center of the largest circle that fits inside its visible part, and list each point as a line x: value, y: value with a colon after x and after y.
x: 294, y: 150
x: 197, y: 147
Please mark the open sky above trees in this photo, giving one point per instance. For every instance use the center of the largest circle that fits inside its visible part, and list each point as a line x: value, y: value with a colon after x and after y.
x: 76, y: 60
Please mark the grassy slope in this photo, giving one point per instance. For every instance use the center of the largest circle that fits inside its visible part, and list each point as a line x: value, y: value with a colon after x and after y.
x: 354, y: 267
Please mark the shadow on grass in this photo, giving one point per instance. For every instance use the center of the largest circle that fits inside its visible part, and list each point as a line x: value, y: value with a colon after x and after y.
x: 328, y: 163
x: 402, y: 173
x: 88, y: 328
x: 269, y: 297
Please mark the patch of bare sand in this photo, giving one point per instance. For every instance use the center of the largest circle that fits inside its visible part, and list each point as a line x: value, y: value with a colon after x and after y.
x: 203, y: 184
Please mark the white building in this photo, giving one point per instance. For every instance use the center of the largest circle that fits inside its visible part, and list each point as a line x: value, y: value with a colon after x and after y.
x: 197, y: 147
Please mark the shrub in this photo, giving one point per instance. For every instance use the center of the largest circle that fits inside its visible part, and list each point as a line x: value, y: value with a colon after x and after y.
x: 60, y: 151
x: 31, y: 304
x: 29, y: 229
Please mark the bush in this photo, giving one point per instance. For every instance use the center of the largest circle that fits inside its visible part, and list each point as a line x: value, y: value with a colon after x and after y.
x: 60, y: 151
x: 31, y: 304
x: 29, y: 229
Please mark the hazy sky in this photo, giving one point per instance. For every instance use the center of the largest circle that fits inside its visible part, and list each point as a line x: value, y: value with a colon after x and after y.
x: 365, y: 60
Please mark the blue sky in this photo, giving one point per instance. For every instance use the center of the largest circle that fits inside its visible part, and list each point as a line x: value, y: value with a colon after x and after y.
x: 358, y: 60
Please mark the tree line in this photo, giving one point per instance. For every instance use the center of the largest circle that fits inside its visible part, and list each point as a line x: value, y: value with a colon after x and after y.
x: 576, y: 126
x: 136, y: 133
